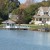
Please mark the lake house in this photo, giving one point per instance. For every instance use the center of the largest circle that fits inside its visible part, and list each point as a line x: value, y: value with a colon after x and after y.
x: 42, y: 16
x: 11, y: 22
x: 8, y: 24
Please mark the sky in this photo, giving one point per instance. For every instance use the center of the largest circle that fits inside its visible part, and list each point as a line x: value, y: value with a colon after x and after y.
x: 23, y: 1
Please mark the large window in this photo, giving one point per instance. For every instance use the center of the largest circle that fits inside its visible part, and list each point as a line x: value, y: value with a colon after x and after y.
x: 40, y: 19
x: 45, y: 12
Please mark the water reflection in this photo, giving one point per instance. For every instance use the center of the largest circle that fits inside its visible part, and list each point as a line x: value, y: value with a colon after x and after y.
x: 24, y: 40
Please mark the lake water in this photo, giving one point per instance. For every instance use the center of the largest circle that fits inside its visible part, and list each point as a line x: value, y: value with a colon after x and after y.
x: 24, y: 40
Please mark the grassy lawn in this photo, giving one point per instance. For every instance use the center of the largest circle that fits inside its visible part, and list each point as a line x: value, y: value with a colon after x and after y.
x: 32, y: 26
x: 1, y: 25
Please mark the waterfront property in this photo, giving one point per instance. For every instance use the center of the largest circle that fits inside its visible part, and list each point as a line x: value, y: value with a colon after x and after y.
x: 42, y: 16
x: 13, y: 25
x: 8, y: 24
x: 12, y: 22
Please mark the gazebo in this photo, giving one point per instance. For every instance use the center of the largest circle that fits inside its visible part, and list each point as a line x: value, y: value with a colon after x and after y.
x: 8, y: 24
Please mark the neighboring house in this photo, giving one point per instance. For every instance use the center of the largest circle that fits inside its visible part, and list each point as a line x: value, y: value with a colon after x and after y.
x: 42, y: 16
x: 13, y: 17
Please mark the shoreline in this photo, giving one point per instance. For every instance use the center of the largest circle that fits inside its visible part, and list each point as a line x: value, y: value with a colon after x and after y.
x: 14, y: 28
x: 29, y: 27
x: 25, y: 29
x: 19, y: 29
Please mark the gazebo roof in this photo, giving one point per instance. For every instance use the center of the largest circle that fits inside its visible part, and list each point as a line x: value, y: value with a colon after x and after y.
x: 43, y: 16
x: 8, y: 21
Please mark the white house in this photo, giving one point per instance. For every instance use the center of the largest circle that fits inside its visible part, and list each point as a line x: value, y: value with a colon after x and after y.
x: 42, y: 16
x: 9, y: 24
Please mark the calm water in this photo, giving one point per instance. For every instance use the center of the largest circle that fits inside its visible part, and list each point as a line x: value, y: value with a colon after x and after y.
x: 24, y: 40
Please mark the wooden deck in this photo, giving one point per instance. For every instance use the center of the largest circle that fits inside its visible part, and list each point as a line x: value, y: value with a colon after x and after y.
x: 13, y: 28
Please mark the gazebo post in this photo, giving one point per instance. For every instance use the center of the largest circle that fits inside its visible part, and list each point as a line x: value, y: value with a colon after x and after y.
x: 35, y: 19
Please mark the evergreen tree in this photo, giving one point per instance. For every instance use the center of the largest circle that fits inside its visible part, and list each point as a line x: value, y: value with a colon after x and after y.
x: 13, y: 4
x: 7, y: 6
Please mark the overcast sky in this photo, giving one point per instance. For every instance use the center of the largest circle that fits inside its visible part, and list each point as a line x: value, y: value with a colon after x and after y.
x: 23, y: 1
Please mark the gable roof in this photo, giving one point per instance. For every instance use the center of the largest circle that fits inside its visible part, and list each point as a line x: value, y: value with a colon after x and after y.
x: 45, y: 9
x: 8, y: 21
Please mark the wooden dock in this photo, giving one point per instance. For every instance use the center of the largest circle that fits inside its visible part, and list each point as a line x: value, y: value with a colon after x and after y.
x: 13, y: 28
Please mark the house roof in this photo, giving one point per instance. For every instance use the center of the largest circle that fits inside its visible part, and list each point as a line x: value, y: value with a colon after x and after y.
x: 13, y: 17
x: 43, y: 16
x: 8, y: 21
x: 45, y: 9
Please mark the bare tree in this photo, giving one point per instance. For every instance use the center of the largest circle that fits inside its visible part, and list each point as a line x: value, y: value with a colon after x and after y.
x: 20, y: 17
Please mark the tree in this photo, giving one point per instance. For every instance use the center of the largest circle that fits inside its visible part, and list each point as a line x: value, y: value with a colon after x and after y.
x: 7, y: 7
x: 20, y: 17
x: 29, y: 11
x: 44, y: 4
x: 25, y: 14
x: 13, y: 5
x: 48, y: 0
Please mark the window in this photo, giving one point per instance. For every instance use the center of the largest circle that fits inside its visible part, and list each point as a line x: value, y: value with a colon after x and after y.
x: 45, y: 12
x: 7, y: 24
x: 44, y: 20
x: 40, y: 19
x: 12, y: 24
